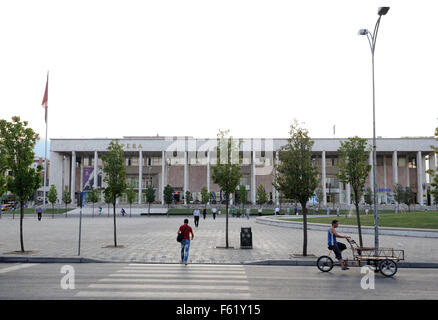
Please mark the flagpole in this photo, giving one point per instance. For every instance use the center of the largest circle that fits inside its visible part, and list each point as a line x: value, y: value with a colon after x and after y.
x: 45, y: 147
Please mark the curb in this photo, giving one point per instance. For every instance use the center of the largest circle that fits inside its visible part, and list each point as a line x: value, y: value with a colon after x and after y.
x: 301, y: 263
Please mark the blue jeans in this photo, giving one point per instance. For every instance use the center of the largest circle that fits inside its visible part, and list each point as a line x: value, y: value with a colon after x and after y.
x: 185, y: 246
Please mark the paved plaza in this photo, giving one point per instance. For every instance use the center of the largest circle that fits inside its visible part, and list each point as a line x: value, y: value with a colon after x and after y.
x: 153, y: 240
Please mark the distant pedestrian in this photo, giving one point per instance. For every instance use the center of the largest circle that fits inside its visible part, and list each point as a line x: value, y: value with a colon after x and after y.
x: 100, y: 210
x: 233, y: 212
x: 247, y: 213
x: 196, y: 215
x: 277, y: 211
x: 204, y: 213
x: 296, y: 210
x: 123, y: 212
x: 274, y: 211
x: 40, y: 213
x: 337, y: 211
x: 213, y: 210
x: 260, y: 211
x: 186, y: 230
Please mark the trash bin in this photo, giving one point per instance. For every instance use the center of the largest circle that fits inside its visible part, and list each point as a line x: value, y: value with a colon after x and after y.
x: 245, y: 238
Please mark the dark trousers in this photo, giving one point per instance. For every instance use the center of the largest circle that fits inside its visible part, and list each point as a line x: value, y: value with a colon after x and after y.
x: 196, y: 221
x: 214, y: 215
x: 39, y: 216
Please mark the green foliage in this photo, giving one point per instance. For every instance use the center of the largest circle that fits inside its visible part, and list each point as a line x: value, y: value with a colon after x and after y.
x: 188, y: 197
x: 243, y: 194
x: 16, y: 146
x: 168, y: 194
x: 52, y: 195
x: 150, y: 194
x: 115, y: 176
x: 262, y: 196
x: 205, y: 195
x: 353, y: 165
x: 115, y: 171
x: 226, y: 172
x: 130, y: 194
x: 319, y: 195
x: 93, y: 196
x: 295, y: 177
x: 66, y: 196
x: 107, y: 197
x: 369, y: 197
x: 398, y: 193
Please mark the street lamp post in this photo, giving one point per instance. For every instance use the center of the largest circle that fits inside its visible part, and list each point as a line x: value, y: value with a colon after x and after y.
x: 372, y: 41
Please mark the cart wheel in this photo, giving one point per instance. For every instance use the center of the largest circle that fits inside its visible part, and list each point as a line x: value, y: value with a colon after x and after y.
x: 388, y: 267
x: 324, y: 263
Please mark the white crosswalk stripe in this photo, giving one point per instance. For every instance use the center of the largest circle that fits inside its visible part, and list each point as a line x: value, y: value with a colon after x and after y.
x: 171, y: 281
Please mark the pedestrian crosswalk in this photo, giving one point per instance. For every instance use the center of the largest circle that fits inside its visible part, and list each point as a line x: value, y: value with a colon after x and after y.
x: 171, y: 281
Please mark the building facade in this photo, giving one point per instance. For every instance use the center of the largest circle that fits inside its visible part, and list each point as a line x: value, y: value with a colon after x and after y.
x: 186, y: 164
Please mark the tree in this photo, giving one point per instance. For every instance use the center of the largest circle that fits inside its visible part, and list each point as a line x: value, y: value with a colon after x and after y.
x: 319, y: 196
x: 243, y: 196
x: 398, y: 195
x: 52, y: 196
x: 168, y: 196
x: 226, y: 172
x: 354, y: 169
x: 262, y: 196
x: 188, y: 196
x: 150, y: 196
x: 3, y: 168
x: 17, y: 144
x: 369, y: 197
x: 295, y: 176
x: 130, y: 196
x: 205, y: 196
x: 93, y: 196
x: 115, y: 176
x: 409, y: 197
x: 66, y: 198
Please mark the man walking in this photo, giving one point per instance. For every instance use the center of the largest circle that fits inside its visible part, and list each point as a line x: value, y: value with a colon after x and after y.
x: 196, y: 215
x: 247, y: 213
x: 40, y: 212
x: 204, y: 213
x: 213, y: 210
x: 186, y: 230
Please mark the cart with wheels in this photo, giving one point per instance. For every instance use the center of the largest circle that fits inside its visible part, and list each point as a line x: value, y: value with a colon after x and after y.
x: 383, y: 259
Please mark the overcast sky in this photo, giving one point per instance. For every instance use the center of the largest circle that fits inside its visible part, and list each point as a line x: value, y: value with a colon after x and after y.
x: 120, y: 68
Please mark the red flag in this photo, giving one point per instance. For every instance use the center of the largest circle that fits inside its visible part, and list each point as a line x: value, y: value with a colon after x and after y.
x: 46, y: 97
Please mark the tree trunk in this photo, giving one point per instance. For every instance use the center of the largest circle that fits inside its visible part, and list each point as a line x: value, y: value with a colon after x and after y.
x: 149, y: 209
x: 115, y: 234
x: 303, y: 206
x: 359, y: 228
x: 21, y: 225
x: 53, y: 211
x: 93, y: 210
x: 130, y: 209
x: 66, y: 210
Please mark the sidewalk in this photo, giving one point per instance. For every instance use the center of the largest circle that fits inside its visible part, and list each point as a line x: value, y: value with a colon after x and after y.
x: 153, y: 240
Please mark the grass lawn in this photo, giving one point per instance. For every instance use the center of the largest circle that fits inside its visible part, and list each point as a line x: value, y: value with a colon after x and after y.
x: 33, y: 211
x: 414, y: 219
x: 184, y: 211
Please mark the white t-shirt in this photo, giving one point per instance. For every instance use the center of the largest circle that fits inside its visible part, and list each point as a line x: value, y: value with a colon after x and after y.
x: 196, y: 213
x: 213, y: 210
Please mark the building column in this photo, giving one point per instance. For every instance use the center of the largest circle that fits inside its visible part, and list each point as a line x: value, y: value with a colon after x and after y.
x: 140, y: 175
x: 394, y: 168
x: 185, y: 175
x: 348, y: 190
x: 253, y: 179
x: 408, y: 177
x: 432, y: 166
x: 323, y: 180
x: 73, y: 177
x: 163, y: 173
x: 419, y: 178
x: 208, y: 172
x: 385, y: 193
x: 95, y: 171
